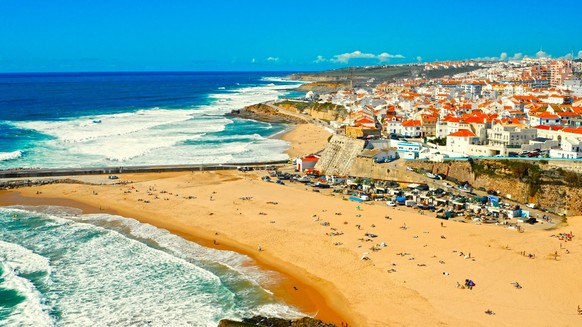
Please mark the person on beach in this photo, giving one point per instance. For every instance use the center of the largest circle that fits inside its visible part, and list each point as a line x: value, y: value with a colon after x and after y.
x: 260, y: 248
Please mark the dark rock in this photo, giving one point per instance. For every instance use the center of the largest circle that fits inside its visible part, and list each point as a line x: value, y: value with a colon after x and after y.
x: 232, y: 323
x: 264, y: 113
x: 279, y: 322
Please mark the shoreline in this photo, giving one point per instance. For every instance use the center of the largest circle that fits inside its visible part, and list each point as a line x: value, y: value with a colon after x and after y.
x: 291, y: 288
x: 303, y: 139
x: 403, y: 284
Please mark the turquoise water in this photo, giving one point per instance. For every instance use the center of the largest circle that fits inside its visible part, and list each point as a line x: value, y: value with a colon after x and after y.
x: 62, y: 120
x: 61, y: 268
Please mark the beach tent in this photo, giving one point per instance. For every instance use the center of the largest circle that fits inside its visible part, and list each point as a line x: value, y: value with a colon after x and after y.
x: 493, y: 199
x: 400, y: 199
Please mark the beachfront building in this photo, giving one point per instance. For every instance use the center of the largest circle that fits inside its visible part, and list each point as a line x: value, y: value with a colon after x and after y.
x: 307, y: 162
x: 570, y: 148
x: 409, y: 150
x: 459, y: 141
x: 510, y: 135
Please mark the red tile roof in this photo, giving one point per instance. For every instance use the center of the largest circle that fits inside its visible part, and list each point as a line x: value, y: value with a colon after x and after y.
x: 411, y: 123
x: 549, y: 128
x: 463, y: 133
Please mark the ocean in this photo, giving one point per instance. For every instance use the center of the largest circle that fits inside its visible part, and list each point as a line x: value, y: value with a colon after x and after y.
x: 59, y: 267
x: 60, y: 120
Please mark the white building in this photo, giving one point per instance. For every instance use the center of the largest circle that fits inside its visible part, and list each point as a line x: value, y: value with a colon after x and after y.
x: 459, y: 141
x: 569, y: 149
x: 510, y: 136
x: 409, y: 150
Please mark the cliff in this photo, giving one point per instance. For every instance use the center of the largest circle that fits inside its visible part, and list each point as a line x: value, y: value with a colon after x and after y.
x: 265, y: 113
x: 548, y: 186
x: 323, y: 111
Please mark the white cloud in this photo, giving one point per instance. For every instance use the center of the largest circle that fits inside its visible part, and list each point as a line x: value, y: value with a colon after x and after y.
x: 273, y: 59
x: 579, y: 56
x: 319, y: 59
x: 345, y: 58
x: 419, y: 58
x: 386, y: 56
x: 502, y: 57
x: 517, y: 56
x: 567, y: 56
x: 542, y: 54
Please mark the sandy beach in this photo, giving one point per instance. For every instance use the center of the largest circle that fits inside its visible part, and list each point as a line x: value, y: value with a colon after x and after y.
x: 305, y: 139
x: 368, y: 265
x: 411, y: 281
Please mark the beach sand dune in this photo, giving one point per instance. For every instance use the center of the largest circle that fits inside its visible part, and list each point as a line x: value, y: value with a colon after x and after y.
x: 374, y: 266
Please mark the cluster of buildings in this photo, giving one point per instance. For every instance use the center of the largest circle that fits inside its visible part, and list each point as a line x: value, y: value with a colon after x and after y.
x: 530, y: 107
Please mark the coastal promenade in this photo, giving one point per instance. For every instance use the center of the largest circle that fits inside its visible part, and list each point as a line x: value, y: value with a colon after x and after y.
x: 55, y: 172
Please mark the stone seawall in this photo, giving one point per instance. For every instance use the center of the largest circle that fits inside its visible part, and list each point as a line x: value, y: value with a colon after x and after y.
x: 338, y: 156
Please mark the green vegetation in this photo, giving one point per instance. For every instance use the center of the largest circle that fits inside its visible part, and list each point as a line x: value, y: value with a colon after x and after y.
x: 527, y: 172
x: 439, y: 141
x: 573, y: 179
x: 300, y: 105
x: 481, y: 169
x: 339, y: 112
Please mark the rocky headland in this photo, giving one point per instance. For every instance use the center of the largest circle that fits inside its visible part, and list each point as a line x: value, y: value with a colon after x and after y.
x: 265, y: 113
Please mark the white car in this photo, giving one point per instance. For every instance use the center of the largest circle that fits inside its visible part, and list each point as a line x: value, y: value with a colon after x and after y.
x: 391, y: 203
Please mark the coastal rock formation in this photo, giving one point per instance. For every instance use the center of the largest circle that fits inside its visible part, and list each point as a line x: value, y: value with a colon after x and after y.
x: 265, y: 113
x: 323, y: 111
x: 549, y: 186
x: 274, y: 322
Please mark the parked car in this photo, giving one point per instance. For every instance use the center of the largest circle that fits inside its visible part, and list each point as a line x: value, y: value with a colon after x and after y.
x: 391, y: 203
x: 533, y: 154
x: 113, y: 177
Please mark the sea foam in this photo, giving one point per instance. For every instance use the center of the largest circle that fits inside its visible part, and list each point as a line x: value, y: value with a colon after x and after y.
x: 19, y: 265
x: 155, y: 136
x: 4, y: 156
x: 109, y: 270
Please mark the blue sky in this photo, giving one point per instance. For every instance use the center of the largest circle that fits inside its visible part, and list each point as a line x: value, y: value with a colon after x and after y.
x: 122, y: 35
